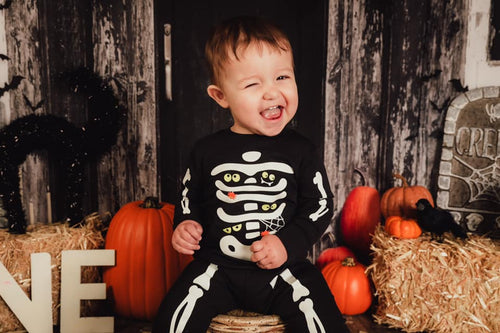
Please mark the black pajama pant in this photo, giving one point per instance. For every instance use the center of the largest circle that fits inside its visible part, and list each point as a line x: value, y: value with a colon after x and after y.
x: 298, y: 294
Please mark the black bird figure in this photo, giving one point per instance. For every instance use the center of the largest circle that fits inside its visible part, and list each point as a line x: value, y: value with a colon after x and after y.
x: 437, y: 221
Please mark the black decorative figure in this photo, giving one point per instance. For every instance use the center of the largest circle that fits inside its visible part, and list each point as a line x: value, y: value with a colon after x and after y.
x: 73, y: 146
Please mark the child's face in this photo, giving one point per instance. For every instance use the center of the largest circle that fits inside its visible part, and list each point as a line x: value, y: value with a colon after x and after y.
x: 259, y: 89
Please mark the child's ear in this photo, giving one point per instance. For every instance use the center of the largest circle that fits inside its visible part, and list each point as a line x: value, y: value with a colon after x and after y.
x: 217, y: 95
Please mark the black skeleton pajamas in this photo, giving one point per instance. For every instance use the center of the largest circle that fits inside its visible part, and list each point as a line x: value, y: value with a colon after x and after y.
x: 238, y: 187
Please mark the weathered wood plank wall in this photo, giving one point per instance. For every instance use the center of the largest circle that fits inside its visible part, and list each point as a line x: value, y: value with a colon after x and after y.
x: 388, y: 85
x: 116, y: 40
x: 24, y: 48
x: 389, y: 71
x: 124, y: 49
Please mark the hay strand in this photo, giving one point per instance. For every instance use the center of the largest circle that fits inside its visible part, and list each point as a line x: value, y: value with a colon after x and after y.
x: 16, y: 250
x: 424, y: 285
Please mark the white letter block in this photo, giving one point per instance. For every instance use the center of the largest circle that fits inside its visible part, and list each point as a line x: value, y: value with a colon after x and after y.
x: 72, y: 291
x: 34, y: 315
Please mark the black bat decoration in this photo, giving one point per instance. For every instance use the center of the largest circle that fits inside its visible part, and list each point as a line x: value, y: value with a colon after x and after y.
x: 457, y: 85
x: 33, y: 107
x: 434, y: 74
x: 437, y: 124
x: 4, y: 57
x: 6, y: 4
x: 14, y: 83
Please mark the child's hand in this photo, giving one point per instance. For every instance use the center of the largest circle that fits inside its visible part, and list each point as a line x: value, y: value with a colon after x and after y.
x: 269, y: 252
x: 187, y: 236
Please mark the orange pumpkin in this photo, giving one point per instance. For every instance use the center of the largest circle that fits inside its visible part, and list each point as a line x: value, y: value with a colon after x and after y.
x: 402, y: 201
x: 402, y: 228
x: 360, y: 215
x: 333, y: 254
x: 349, y: 285
x: 146, y: 263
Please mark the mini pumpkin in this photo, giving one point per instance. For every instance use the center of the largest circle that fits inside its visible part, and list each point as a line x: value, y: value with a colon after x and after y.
x: 402, y: 201
x: 401, y: 227
x: 146, y: 263
x: 349, y: 285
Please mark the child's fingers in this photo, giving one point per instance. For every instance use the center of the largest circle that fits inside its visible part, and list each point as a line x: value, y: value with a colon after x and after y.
x: 185, y: 246
x: 257, y: 251
x: 193, y: 229
x: 256, y: 246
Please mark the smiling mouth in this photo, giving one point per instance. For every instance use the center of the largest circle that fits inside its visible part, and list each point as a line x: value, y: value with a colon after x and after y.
x: 272, y: 113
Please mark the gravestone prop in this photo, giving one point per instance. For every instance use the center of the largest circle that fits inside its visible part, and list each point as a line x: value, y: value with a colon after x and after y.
x: 469, y: 172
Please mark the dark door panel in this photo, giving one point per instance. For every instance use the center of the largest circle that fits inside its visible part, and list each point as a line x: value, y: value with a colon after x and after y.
x: 191, y: 114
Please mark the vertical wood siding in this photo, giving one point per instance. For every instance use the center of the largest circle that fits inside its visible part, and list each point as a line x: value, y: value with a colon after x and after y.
x: 388, y: 86
x: 391, y: 69
x: 25, y: 52
x: 116, y: 39
x: 123, y: 34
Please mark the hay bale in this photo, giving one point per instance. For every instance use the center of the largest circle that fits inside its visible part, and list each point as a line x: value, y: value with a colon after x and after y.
x: 244, y: 321
x: 424, y: 285
x: 15, y: 252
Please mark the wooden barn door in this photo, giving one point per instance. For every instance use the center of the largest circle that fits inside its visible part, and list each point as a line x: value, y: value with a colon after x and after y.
x: 191, y: 114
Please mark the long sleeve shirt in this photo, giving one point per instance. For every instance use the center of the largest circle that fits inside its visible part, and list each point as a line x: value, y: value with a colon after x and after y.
x: 239, y: 187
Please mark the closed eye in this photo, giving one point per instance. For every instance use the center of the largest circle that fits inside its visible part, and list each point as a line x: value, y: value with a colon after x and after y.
x: 250, y: 85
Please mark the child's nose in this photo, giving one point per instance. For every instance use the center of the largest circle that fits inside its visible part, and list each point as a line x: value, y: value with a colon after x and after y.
x: 271, y: 92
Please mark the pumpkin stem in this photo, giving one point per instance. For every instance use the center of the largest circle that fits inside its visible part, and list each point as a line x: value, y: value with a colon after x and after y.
x: 398, y: 176
x: 151, y: 202
x: 363, y: 179
x: 349, y: 262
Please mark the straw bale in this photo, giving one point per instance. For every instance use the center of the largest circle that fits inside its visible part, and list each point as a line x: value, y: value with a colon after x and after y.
x: 15, y: 252
x: 425, y: 285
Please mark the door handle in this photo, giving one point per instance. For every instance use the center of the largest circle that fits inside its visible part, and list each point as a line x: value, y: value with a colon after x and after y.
x: 167, y: 50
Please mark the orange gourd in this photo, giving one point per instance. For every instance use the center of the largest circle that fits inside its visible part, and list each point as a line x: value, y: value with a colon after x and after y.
x: 333, y: 254
x: 359, y: 218
x: 402, y: 201
x: 402, y: 228
x: 146, y: 263
x: 349, y: 285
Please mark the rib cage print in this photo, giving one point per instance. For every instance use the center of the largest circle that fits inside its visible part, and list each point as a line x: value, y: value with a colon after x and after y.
x: 259, y: 190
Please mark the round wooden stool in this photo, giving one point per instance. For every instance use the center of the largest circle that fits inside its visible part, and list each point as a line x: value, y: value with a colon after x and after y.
x: 244, y: 321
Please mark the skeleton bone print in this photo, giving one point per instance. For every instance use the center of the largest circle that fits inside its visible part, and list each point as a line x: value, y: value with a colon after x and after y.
x: 259, y: 190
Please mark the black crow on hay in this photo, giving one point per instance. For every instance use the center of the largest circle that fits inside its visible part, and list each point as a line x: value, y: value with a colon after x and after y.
x: 437, y: 221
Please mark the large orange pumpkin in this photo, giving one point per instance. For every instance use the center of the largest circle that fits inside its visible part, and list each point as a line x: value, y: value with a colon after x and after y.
x: 402, y: 201
x: 349, y: 285
x: 146, y: 263
x: 401, y: 227
x: 360, y: 215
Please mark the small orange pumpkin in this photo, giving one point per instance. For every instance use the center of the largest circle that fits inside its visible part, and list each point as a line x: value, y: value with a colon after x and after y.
x: 402, y: 201
x: 146, y: 263
x: 349, y: 285
x: 402, y: 228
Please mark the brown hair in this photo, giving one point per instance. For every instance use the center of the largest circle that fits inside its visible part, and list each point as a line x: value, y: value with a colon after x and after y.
x: 239, y: 32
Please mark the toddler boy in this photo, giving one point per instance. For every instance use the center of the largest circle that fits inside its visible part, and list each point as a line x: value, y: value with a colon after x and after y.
x: 255, y: 196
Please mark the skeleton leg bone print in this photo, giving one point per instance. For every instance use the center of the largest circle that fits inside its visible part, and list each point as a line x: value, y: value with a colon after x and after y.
x: 306, y: 305
x: 185, y: 308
